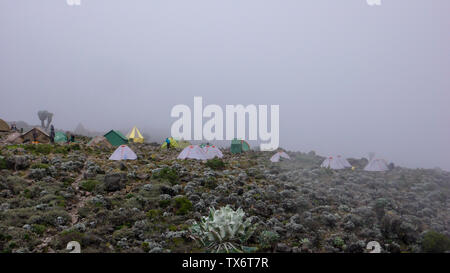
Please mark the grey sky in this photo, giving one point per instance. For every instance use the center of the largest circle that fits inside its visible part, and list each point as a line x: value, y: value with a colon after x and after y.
x: 349, y: 78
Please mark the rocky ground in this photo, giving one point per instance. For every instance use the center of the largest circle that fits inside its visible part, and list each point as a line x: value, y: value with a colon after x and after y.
x: 53, y: 194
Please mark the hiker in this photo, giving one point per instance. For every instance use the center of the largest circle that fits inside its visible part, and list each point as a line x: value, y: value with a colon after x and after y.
x: 13, y: 127
x: 168, y: 143
x: 35, y: 136
x: 391, y: 166
x: 52, y: 134
x: 72, y: 138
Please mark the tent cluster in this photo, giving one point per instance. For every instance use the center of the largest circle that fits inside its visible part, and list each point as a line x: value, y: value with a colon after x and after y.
x: 339, y: 163
x: 199, y: 153
x: 37, y: 135
x: 34, y: 135
x: 115, y: 138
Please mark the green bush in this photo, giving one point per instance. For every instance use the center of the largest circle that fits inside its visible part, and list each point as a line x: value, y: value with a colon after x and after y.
x: 89, y: 185
x: 2, y: 163
x: 182, y: 205
x: 167, y: 174
x: 164, y: 203
x: 215, y: 164
x: 153, y: 213
x: 40, y: 166
x: 434, y: 242
x: 211, y: 183
x: 268, y: 239
x: 338, y: 242
x: 45, y: 149
x: 39, y: 229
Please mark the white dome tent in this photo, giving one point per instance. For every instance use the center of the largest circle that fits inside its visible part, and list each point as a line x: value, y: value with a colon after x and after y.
x: 192, y: 152
x: 123, y: 152
x: 377, y: 165
x: 344, y: 162
x: 332, y: 163
x: 277, y: 156
x: 211, y: 151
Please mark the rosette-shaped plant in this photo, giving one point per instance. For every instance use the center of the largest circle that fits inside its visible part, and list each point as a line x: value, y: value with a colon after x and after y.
x: 223, y: 230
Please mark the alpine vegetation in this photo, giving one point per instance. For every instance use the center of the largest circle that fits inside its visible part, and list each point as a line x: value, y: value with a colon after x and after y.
x: 223, y: 230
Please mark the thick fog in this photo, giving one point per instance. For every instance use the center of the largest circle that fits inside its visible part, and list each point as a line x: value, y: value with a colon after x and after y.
x: 349, y: 78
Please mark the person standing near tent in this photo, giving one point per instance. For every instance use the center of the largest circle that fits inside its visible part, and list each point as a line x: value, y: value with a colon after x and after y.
x: 72, y: 138
x: 168, y: 143
x: 52, y: 134
x: 35, y: 136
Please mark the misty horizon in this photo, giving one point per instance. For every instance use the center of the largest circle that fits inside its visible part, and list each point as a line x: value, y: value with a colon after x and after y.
x: 366, y: 79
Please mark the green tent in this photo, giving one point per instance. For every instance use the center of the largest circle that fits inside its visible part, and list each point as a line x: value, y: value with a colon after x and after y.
x: 116, y: 138
x: 60, y: 137
x: 239, y: 146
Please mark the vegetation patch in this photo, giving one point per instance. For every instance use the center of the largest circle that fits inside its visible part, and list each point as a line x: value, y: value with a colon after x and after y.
x: 167, y: 174
x: 89, y: 185
x: 182, y: 205
x: 434, y: 242
x: 216, y: 164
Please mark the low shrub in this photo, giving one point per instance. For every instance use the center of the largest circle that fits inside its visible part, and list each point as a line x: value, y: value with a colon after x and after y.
x: 182, y: 205
x: 38, y: 229
x: 215, y: 164
x: 434, y: 242
x: 40, y: 166
x: 167, y: 174
x: 2, y: 163
x: 268, y: 239
x: 89, y: 185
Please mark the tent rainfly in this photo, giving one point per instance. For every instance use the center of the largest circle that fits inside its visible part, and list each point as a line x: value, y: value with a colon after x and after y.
x: 183, y: 144
x: 211, y: 151
x: 239, y: 146
x: 14, y: 138
x: 42, y: 136
x: 4, y: 127
x: 344, y: 162
x: 60, y: 137
x: 173, y: 143
x: 377, y: 165
x: 116, y: 138
x: 135, y: 136
x: 99, y: 141
x: 332, y: 163
x: 277, y: 156
x: 192, y: 152
x: 123, y: 152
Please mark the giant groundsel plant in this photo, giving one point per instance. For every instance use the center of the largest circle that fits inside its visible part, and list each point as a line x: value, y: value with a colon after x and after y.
x: 223, y: 230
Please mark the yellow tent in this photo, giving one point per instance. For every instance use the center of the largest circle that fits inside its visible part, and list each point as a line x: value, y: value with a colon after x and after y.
x: 173, y: 143
x: 135, y: 136
x: 183, y: 144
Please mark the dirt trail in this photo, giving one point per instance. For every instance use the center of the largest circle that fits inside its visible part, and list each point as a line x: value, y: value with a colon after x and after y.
x: 73, y: 212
